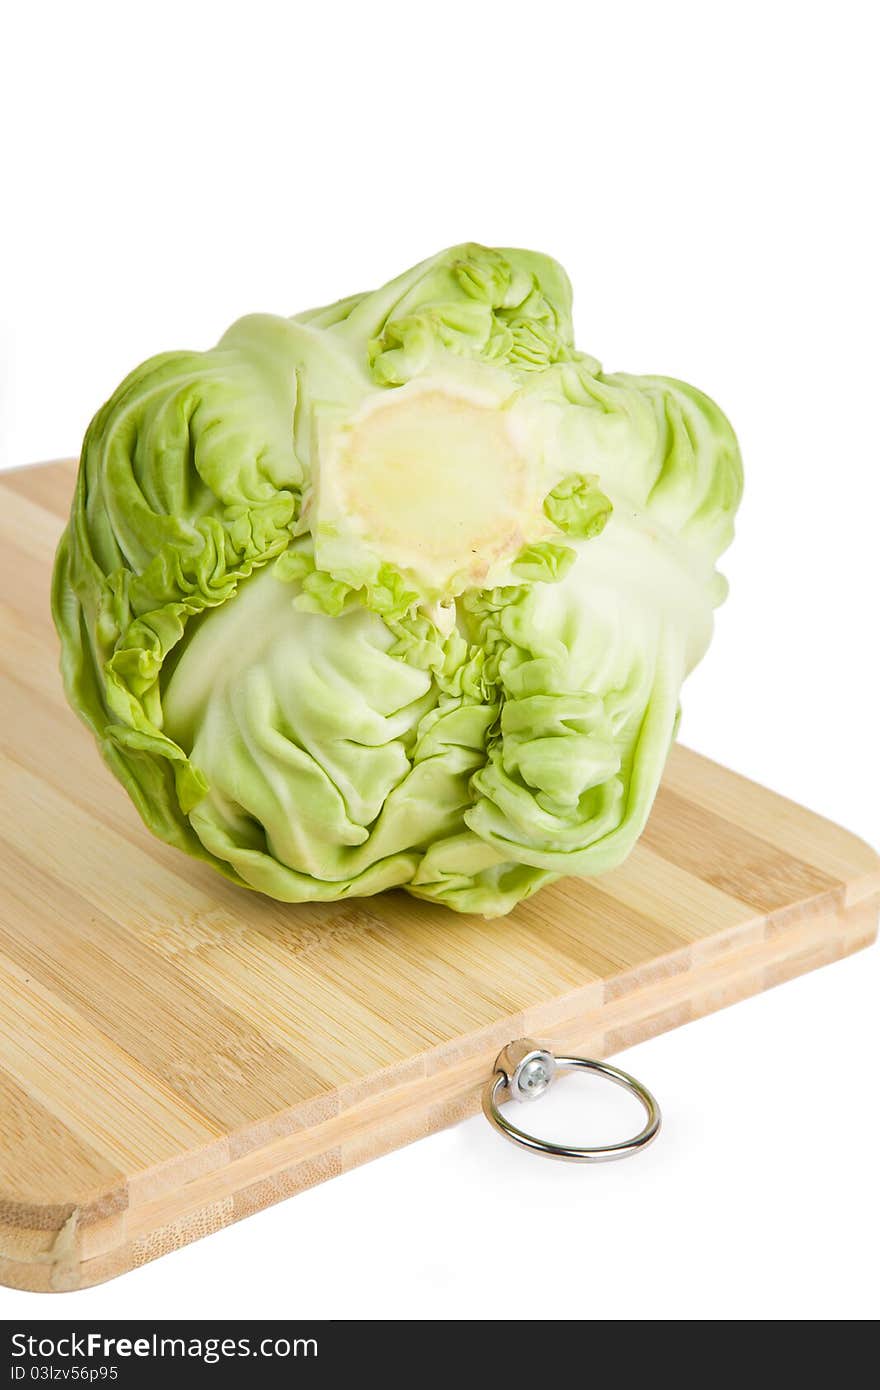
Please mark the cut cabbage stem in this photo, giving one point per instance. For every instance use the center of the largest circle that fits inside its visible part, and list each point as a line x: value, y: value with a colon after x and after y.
x: 439, y: 487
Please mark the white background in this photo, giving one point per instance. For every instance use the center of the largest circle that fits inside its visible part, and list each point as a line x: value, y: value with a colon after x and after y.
x: 707, y: 175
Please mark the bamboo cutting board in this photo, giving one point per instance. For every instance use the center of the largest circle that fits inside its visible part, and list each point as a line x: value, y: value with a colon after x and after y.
x: 176, y: 1052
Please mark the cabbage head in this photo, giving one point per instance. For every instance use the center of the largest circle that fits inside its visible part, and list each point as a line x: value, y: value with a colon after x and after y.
x: 398, y: 592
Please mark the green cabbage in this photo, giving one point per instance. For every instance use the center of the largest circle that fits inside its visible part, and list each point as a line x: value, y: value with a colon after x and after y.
x: 401, y: 591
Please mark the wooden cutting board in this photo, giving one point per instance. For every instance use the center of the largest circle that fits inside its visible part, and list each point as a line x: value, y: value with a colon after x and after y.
x: 176, y: 1052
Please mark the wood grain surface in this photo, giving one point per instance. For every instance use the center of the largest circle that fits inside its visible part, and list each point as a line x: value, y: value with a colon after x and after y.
x: 176, y: 1052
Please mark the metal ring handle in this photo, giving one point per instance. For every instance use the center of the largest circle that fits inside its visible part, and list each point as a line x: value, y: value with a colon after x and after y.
x: 526, y: 1070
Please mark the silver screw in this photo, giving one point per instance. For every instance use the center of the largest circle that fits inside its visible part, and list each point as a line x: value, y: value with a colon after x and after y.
x: 533, y: 1076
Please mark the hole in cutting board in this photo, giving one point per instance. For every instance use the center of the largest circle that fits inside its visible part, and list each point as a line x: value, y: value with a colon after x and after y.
x: 580, y: 1108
